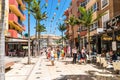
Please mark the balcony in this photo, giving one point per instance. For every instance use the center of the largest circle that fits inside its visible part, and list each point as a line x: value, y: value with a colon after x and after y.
x: 13, y: 33
x: 90, y: 4
x: 13, y: 17
x: 14, y: 8
x: 22, y: 3
x: 13, y: 2
x: 95, y: 14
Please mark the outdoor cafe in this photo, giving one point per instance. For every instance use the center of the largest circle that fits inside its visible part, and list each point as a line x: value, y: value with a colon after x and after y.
x: 16, y: 47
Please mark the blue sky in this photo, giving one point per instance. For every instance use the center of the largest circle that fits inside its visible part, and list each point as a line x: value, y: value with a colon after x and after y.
x: 51, y: 26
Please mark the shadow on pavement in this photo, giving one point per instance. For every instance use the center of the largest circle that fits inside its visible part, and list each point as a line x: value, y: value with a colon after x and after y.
x: 74, y: 77
x: 67, y: 62
x: 102, y: 75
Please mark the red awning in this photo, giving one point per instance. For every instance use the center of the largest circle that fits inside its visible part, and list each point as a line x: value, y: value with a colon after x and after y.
x: 83, y: 33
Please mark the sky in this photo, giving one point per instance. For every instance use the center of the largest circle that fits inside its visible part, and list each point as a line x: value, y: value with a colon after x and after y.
x: 55, y: 17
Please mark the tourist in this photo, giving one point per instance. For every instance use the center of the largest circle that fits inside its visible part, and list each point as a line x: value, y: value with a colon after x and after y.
x: 58, y: 52
x: 52, y: 56
x: 74, y: 51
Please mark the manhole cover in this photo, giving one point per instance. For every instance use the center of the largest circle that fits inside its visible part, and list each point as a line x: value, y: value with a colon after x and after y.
x: 58, y: 71
x: 38, y: 73
x: 37, y: 77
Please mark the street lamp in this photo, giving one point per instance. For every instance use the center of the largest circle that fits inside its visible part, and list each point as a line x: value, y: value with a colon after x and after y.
x: 78, y: 38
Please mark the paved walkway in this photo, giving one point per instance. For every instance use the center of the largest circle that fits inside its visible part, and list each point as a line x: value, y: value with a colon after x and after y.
x: 42, y: 70
x: 20, y: 71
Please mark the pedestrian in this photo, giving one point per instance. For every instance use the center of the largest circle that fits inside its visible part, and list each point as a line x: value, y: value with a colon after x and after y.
x: 74, y: 51
x: 65, y: 51
x: 79, y: 53
x: 68, y: 51
x: 83, y: 56
x: 48, y: 54
x: 62, y: 53
x: 52, y: 56
x: 58, y: 52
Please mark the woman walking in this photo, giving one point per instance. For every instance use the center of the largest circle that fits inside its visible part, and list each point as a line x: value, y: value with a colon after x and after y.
x: 52, y: 56
x: 74, y: 51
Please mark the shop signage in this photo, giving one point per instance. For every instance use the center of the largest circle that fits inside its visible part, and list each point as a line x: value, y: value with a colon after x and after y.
x: 118, y: 38
x: 113, y: 22
x: 106, y: 37
x: 114, y: 46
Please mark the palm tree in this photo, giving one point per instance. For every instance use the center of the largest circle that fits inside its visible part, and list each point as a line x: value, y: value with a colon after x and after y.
x: 38, y: 15
x: 87, y: 20
x: 72, y: 22
x: 29, y: 4
x: 40, y: 28
x: 62, y: 28
x: 2, y: 40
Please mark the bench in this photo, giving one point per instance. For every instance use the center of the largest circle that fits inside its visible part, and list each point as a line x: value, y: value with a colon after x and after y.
x: 8, y: 65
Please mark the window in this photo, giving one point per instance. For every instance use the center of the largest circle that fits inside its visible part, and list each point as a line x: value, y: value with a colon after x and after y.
x: 94, y: 26
x: 105, y: 18
x: 104, y: 3
x: 94, y: 7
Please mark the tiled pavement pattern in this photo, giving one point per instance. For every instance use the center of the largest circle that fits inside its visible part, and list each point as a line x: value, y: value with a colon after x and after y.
x: 62, y: 70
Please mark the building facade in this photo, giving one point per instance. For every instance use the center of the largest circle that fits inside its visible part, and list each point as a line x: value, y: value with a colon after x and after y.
x: 16, y: 18
x: 47, y: 40
x: 102, y: 32
x: 15, y: 27
x: 71, y: 31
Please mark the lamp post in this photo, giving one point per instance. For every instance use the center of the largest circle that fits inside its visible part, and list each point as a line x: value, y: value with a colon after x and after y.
x: 78, y: 38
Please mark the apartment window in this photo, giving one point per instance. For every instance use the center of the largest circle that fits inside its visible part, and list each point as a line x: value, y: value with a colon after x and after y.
x: 104, y: 3
x: 94, y: 26
x: 105, y: 18
x: 95, y: 7
x: 87, y: 1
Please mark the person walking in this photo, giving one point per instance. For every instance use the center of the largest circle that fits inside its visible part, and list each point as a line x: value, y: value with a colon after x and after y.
x: 62, y: 53
x: 83, y: 55
x: 74, y: 51
x: 52, y: 56
x: 58, y: 52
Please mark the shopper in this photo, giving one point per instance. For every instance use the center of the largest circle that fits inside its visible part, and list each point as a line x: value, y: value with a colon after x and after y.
x: 74, y: 51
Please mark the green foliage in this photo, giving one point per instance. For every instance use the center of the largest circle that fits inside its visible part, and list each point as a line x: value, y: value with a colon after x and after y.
x: 40, y: 28
x: 62, y: 27
x: 87, y: 17
x: 72, y: 21
x: 28, y: 1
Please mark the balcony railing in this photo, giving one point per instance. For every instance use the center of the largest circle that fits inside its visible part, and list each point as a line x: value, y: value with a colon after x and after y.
x: 13, y: 17
x: 13, y: 2
x: 20, y: 9
x: 13, y: 33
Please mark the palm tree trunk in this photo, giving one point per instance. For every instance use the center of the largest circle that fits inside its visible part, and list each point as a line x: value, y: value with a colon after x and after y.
x: 72, y: 41
x: 2, y: 38
x: 36, y: 52
x: 29, y: 61
x: 62, y: 39
x: 39, y: 42
x: 89, y: 47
